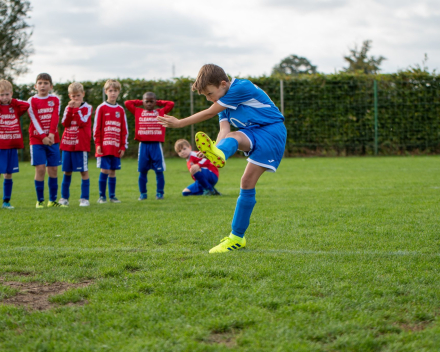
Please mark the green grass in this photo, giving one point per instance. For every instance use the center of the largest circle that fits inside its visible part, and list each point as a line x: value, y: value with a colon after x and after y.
x: 343, y: 255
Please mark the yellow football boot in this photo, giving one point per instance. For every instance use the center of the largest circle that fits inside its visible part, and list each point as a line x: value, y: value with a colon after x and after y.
x: 207, y: 147
x: 229, y: 244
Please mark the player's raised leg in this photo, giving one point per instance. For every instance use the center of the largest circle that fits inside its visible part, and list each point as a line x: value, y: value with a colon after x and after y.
x: 243, y: 210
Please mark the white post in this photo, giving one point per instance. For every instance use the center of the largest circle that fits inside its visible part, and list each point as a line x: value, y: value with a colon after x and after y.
x: 282, y: 96
x: 191, y: 95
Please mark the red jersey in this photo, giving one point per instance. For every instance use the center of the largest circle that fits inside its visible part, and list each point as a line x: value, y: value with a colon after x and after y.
x: 110, y: 129
x: 10, y: 130
x: 45, y: 115
x: 204, y: 163
x: 147, y: 128
x: 78, y: 129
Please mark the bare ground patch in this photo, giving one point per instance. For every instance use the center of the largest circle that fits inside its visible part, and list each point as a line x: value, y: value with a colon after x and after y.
x: 226, y: 339
x: 35, y: 296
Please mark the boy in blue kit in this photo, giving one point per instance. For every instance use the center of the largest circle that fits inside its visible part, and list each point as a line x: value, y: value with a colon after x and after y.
x: 261, y: 136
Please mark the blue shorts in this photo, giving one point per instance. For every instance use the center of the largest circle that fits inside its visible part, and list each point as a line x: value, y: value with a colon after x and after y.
x: 197, y: 189
x: 108, y: 162
x: 8, y: 161
x: 75, y: 161
x: 267, y: 145
x: 150, y: 156
x: 48, y: 155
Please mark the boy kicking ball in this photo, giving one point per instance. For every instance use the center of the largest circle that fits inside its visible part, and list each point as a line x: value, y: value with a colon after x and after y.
x: 261, y: 136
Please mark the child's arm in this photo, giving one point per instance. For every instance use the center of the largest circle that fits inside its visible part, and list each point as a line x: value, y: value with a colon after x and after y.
x: 20, y: 106
x: 167, y: 105
x: 131, y: 105
x: 171, y: 121
x: 68, y: 116
x: 97, y: 136
x: 55, y: 120
x: 84, y: 117
x: 124, y: 136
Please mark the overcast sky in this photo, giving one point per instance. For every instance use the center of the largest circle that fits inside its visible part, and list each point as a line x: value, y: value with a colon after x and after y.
x: 99, y: 39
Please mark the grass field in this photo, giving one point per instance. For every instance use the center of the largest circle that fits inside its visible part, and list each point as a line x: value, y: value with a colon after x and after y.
x: 343, y: 255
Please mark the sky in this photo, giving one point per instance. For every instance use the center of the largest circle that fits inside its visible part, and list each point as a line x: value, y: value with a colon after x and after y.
x: 143, y: 39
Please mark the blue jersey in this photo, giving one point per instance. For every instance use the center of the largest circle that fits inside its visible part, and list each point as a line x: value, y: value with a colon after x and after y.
x: 247, y: 105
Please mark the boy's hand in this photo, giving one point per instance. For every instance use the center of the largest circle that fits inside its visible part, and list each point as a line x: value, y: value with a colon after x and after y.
x: 121, y: 153
x: 73, y: 104
x: 168, y: 121
x: 98, y: 150
x: 52, y: 138
x: 47, y: 141
x: 200, y: 155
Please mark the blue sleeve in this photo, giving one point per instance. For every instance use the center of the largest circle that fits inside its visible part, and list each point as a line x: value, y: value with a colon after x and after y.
x: 222, y: 116
x: 240, y: 91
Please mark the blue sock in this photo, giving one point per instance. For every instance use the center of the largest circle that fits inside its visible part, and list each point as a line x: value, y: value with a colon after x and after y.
x: 102, y: 184
x: 142, y: 182
x: 53, y: 188
x: 85, y: 189
x: 160, y: 181
x: 39, y: 188
x: 203, y: 181
x: 112, y: 187
x: 65, y: 186
x: 186, y: 194
x: 228, y: 146
x: 7, y: 190
x: 243, y: 211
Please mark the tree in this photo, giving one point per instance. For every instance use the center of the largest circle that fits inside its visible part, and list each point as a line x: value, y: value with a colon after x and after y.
x: 293, y: 65
x: 359, y: 60
x: 15, y: 45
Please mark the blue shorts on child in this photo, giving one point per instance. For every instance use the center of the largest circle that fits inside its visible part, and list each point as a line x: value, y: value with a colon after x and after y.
x: 196, y: 188
x: 108, y: 162
x: 75, y: 161
x: 267, y: 144
x: 8, y: 161
x: 150, y: 156
x: 48, y: 155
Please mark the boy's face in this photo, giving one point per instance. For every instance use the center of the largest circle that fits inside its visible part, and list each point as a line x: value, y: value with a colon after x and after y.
x: 77, y: 97
x: 149, y: 102
x: 112, y: 94
x: 5, y: 97
x: 43, y: 87
x: 213, y: 93
x: 184, y: 152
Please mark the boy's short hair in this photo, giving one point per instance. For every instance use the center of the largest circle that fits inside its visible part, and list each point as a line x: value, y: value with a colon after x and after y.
x: 44, y: 77
x: 75, y: 87
x: 180, y: 143
x: 112, y: 83
x: 209, y: 74
x: 149, y: 94
x: 5, y: 86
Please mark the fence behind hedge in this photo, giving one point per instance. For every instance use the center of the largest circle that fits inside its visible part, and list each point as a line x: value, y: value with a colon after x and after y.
x: 338, y: 114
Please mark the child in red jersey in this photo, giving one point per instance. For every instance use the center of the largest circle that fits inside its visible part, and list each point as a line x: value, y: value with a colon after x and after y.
x: 44, y: 139
x: 75, y: 143
x: 11, y: 137
x: 151, y: 135
x: 203, y: 172
x: 110, y: 131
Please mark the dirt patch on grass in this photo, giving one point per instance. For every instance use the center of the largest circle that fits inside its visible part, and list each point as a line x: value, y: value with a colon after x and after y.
x: 415, y: 327
x: 35, y: 296
x: 226, y: 339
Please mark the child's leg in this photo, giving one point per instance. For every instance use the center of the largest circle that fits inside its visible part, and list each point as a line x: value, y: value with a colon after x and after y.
x: 65, y: 185
x: 203, y: 180
x: 103, y: 176
x: 85, y: 185
x: 243, y: 210
x: 112, y: 183
x: 40, y: 172
x: 160, y: 182
x: 142, y: 182
x: 53, y: 182
x: 7, y: 187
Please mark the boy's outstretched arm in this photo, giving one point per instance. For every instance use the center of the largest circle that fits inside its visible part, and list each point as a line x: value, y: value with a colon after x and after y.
x: 171, y: 121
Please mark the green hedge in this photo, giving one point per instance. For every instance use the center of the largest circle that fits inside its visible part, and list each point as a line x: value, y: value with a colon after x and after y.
x: 325, y: 114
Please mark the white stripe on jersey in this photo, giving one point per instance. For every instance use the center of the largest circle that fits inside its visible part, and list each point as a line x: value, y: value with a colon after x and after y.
x: 254, y: 103
x: 33, y: 118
